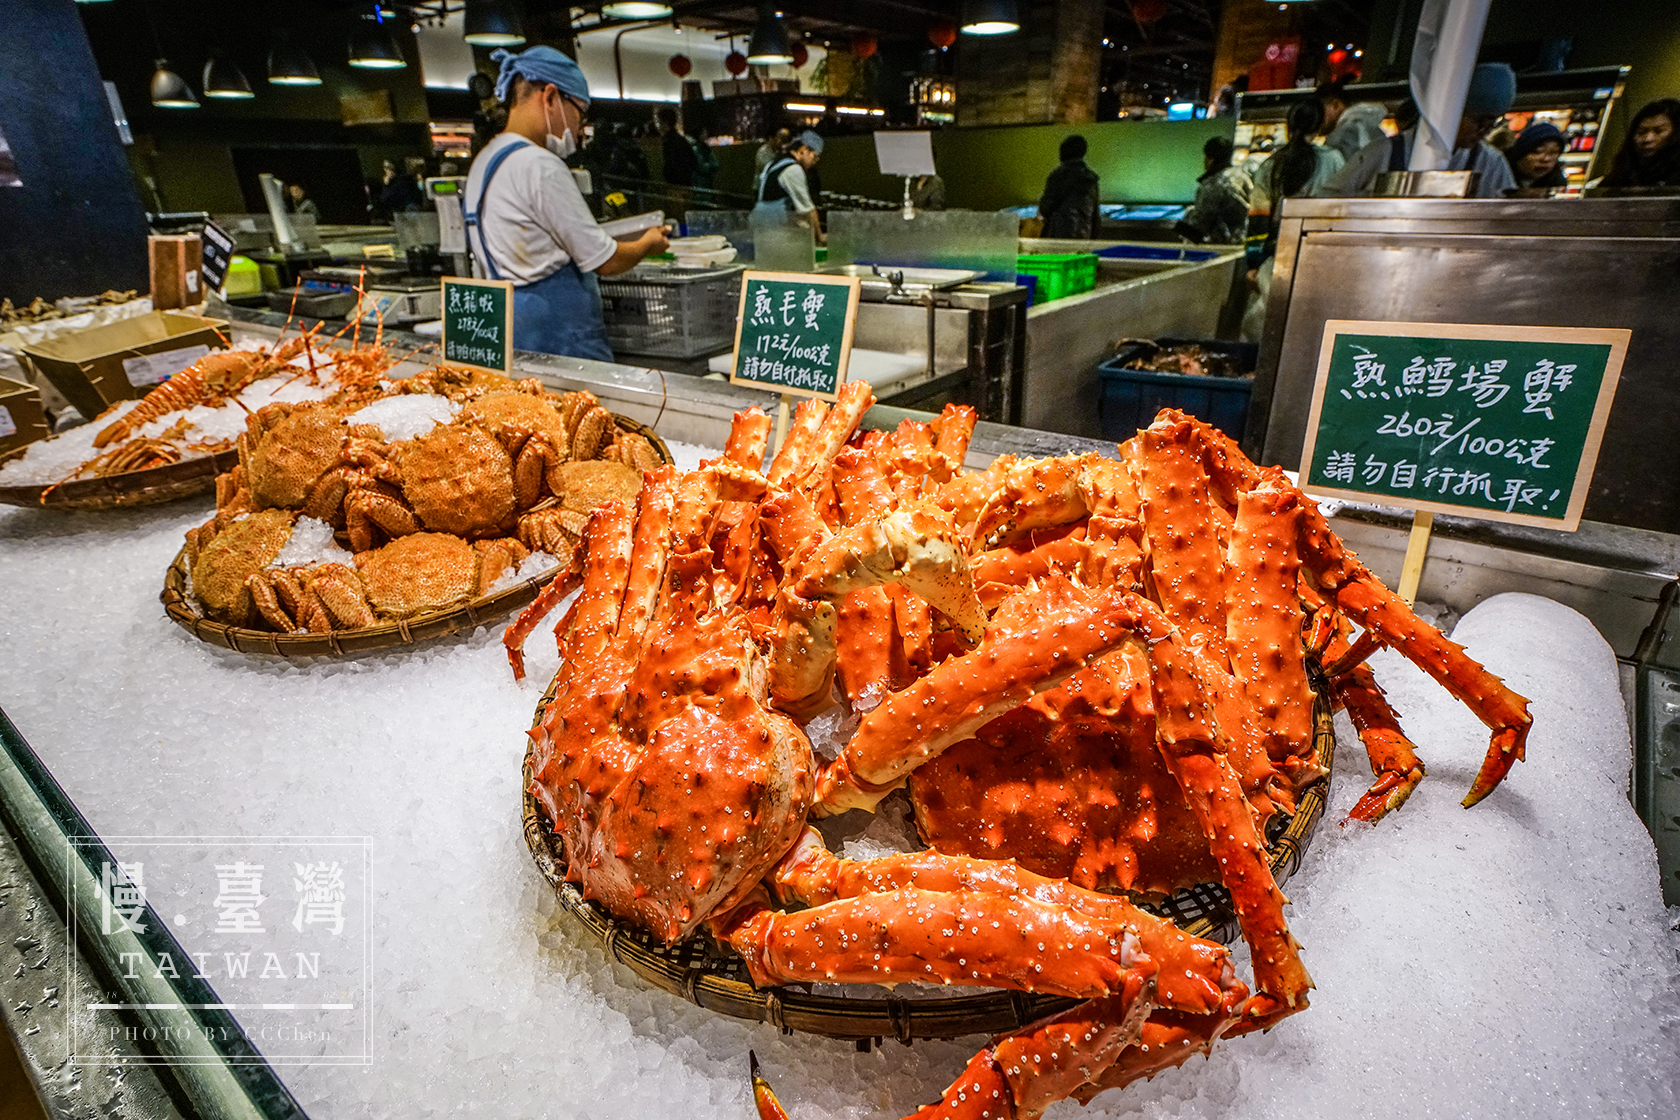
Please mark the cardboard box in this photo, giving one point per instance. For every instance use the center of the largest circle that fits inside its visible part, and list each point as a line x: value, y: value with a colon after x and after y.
x: 100, y: 366
x: 22, y: 420
x: 175, y: 261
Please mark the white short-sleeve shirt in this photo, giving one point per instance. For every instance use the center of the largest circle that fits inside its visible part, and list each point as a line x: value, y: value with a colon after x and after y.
x: 534, y: 220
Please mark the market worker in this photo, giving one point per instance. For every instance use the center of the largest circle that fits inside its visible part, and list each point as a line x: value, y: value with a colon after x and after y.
x: 1534, y: 157
x: 1493, y: 87
x: 785, y: 190
x: 1068, y: 206
x: 530, y: 223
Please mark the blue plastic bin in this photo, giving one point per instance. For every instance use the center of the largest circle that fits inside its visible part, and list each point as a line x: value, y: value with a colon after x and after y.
x: 1128, y: 399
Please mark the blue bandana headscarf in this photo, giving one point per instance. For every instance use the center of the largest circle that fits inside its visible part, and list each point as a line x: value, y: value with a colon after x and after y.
x: 543, y: 65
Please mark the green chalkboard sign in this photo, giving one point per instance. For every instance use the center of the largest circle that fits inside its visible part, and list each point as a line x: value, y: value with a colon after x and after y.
x: 478, y: 323
x: 1497, y: 422
x: 793, y: 333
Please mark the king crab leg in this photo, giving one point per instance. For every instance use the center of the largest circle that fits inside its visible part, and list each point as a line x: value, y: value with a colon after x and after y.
x: 1357, y: 593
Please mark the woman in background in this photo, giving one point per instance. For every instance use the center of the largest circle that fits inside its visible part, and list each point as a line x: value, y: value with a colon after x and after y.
x: 1299, y: 168
x: 1650, y: 156
x: 1534, y: 157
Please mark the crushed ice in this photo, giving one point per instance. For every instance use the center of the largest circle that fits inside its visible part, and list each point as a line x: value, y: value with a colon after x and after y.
x: 1513, y: 960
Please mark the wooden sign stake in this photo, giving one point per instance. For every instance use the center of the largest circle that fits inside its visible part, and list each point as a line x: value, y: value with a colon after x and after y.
x: 1417, y: 549
x: 781, y: 422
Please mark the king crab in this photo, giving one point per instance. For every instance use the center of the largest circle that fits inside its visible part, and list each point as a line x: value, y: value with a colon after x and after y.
x: 1169, y: 598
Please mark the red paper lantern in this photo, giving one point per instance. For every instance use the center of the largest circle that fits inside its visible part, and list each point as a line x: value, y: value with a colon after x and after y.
x: 942, y: 33
x: 1147, y: 12
x: 801, y: 55
x: 864, y: 44
x: 735, y: 63
x: 680, y: 65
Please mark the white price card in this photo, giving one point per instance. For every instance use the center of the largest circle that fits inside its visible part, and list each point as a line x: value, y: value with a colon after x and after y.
x: 904, y: 153
x: 154, y: 369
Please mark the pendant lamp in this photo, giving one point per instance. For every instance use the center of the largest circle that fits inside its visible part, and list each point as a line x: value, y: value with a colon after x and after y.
x: 990, y: 17
x: 225, y: 81
x: 170, y: 90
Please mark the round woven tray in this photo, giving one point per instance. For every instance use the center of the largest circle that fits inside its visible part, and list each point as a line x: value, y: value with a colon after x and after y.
x: 712, y: 976
x: 435, y: 624
x: 149, y: 487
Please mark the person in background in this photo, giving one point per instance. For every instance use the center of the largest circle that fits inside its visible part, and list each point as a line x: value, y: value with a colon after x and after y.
x: 400, y: 192
x: 1534, y: 157
x: 302, y: 204
x: 927, y: 192
x: 1349, y: 125
x: 1493, y: 88
x: 678, y: 153
x: 1295, y: 170
x: 1068, y: 206
x: 785, y: 189
x: 769, y: 151
x: 1650, y: 156
x: 1299, y: 168
x: 1220, y: 212
x: 526, y: 219
x: 705, y: 161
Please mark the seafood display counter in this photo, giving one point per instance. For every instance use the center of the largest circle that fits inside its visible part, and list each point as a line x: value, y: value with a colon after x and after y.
x: 239, y: 885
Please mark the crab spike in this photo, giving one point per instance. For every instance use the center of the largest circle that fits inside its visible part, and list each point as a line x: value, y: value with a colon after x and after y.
x: 1394, y: 760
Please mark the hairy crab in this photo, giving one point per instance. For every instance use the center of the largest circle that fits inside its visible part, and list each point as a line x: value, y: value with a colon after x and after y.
x: 504, y: 470
x: 1158, y: 608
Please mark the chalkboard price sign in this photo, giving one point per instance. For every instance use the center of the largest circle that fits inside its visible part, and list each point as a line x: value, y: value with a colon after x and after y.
x: 793, y: 333
x: 1496, y: 422
x: 478, y: 323
x: 218, y: 254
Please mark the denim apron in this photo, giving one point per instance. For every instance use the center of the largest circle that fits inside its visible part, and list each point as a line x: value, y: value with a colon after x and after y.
x: 559, y: 314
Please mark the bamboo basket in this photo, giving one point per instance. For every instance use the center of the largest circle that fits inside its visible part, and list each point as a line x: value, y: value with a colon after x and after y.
x: 149, y: 487
x: 712, y: 976
x: 179, y: 605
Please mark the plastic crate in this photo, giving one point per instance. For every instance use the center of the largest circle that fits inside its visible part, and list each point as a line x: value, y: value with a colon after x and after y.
x: 1128, y: 399
x: 1059, y: 274
x: 671, y: 312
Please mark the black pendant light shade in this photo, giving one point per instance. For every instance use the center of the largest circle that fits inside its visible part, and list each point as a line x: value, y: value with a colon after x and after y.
x: 225, y: 81
x: 491, y: 23
x: 373, y: 47
x: 290, y: 65
x: 170, y: 90
x: 769, y: 44
x: 990, y: 17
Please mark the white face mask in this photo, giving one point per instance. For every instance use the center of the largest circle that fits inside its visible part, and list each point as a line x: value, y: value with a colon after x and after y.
x: 562, y: 145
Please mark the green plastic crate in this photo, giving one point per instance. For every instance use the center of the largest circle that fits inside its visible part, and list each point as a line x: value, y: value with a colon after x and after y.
x: 1059, y: 274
